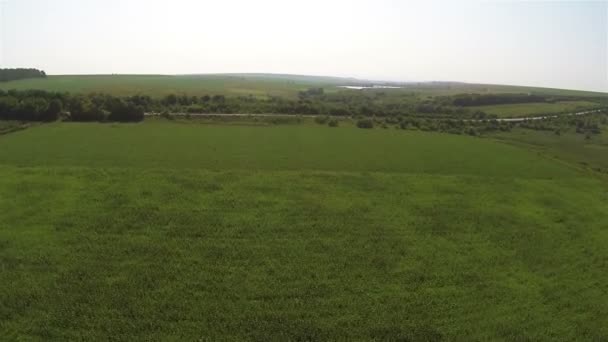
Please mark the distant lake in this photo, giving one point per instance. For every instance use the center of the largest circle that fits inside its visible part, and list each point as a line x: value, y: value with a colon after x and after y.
x: 369, y: 87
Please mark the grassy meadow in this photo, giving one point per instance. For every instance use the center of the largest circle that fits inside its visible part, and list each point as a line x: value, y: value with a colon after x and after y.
x: 172, y: 231
x: 162, y: 85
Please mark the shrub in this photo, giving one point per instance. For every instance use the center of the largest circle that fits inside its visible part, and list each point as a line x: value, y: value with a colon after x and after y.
x: 321, y: 120
x: 333, y: 123
x: 472, y: 131
x: 166, y: 115
x: 365, y: 123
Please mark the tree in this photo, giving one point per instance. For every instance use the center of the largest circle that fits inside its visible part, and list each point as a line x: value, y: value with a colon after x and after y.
x: 170, y: 100
x: 219, y: 98
x: 82, y: 109
x: 8, y: 107
x: 19, y: 74
x: 31, y: 109
x: 124, y: 110
x: 52, y: 112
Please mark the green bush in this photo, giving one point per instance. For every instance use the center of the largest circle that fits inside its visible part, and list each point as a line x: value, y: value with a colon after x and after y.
x: 321, y: 120
x: 365, y: 123
x: 166, y: 115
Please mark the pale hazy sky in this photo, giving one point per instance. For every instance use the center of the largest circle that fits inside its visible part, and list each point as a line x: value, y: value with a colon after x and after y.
x: 554, y: 44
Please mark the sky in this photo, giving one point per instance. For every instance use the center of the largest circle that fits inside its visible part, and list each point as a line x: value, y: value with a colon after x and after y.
x: 549, y: 44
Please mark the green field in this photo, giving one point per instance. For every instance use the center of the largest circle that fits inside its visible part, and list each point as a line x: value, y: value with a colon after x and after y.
x: 536, y: 109
x: 161, y: 85
x: 260, y: 85
x: 172, y: 231
x: 569, y: 146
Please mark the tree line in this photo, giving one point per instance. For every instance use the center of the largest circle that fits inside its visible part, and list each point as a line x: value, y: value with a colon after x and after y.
x: 587, y: 125
x: 37, y: 105
x: 19, y: 74
x: 99, y: 107
x: 314, y: 101
x: 472, y: 100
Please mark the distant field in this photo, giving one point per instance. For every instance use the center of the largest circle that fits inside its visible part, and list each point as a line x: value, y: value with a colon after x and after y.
x: 158, y: 85
x: 170, y: 231
x: 535, y: 109
x: 260, y: 85
x: 445, y: 89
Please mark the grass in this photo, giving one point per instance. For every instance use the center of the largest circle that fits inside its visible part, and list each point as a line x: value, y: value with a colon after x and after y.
x: 162, y: 85
x: 7, y: 127
x: 294, y: 147
x: 568, y: 146
x: 260, y: 85
x: 536, y: 109
x: 168, y: 231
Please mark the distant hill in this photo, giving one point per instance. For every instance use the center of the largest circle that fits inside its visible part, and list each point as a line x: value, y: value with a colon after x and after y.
x: 259, y: 85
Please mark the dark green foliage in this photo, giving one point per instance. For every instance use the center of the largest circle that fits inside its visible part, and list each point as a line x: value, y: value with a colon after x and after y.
x: 170, y: 100
x: 35, y: 105
x: 321, y: 120
x: 53, y: 111
x: 83, y: 109
x: 19, y: 74
x: 333, y: 123
x: 365, y: 123
x: 124, y: 110
x: 32, y: 109
x: 8, y: 107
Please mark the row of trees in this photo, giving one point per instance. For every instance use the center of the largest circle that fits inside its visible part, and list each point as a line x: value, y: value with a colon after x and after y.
x: 587, y: 125
x: 432, y: 125
x: 43, y: 106
x: 313, y: 101
x: 35, y: 105
x: 19, y: 74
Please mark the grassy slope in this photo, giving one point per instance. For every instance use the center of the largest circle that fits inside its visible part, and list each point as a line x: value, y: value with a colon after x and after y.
x: 568, y: 146
x: 169, y: 231
x: 161, y: 85
x: 535, y: 109
x: 247, y: 84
